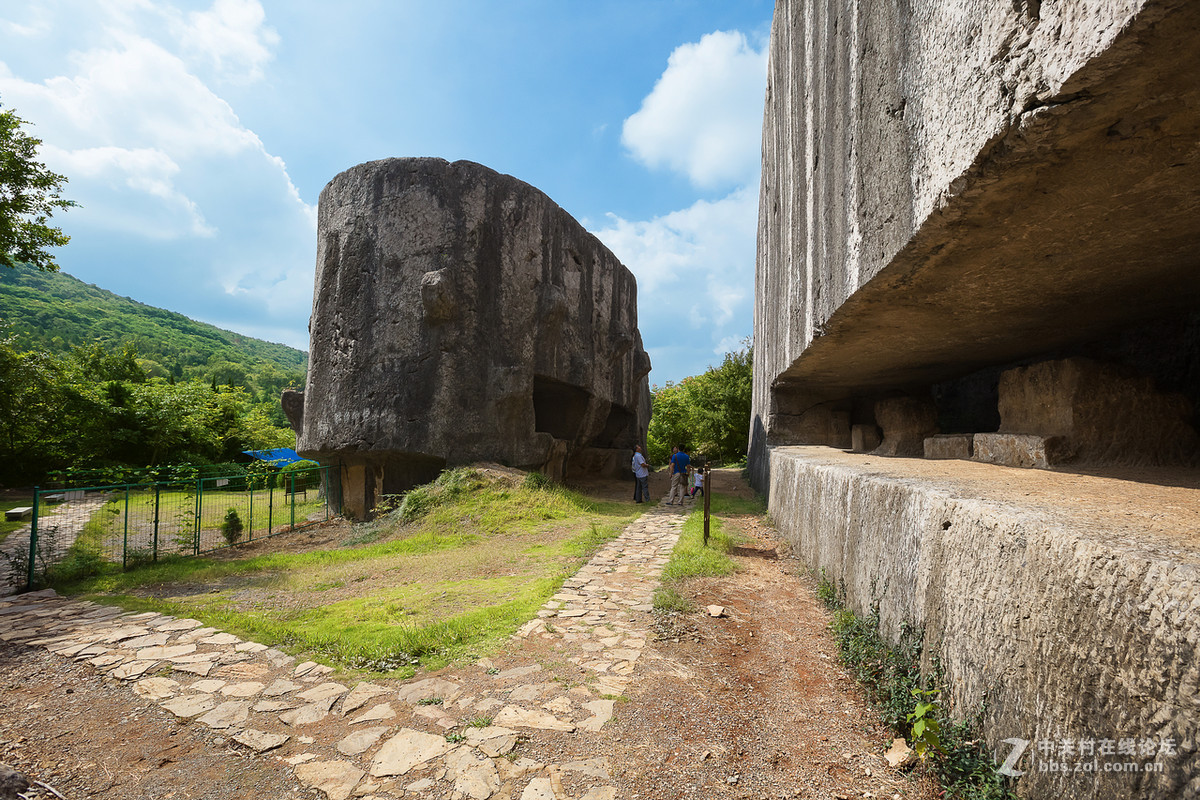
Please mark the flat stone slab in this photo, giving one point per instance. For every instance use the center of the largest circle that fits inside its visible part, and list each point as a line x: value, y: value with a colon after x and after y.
x: 360, y: 741
x: 493, y: 741
x: 279, y: 688
x: 220, y: 638
x: 166, y: 653
x: 192, y: 705
x: 244, y: 689
x: 207, y: 687
x: 539, y: 789
x: 380, y: 712
x: 260, y: 741
x: 307, y: 714
x: 362, y: 694
x: 336, y: 779
x: 179, y: 625
x: 326, y: 691
x: 128, y: 632
x: 602, y: 711
x: 273, y: 706
x: 428, y: 689
x: 153, y: 640
x: 156, y: 688
x: 474, y: 776
x: 407, y: 749
x: 132, y: 670
x: 526, y: 718
x: 226, y: 715
x: 201, y: 668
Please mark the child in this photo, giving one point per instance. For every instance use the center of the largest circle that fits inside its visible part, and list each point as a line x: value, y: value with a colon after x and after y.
x: 699, y: 483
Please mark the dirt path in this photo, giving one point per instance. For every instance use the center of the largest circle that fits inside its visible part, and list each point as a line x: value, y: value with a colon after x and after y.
x: 754, y: 704
x: 749, y: 705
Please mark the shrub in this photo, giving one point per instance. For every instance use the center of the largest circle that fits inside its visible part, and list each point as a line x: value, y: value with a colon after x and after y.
x: 232, y: 527
x: 307, y: 475
x: 536, y: 480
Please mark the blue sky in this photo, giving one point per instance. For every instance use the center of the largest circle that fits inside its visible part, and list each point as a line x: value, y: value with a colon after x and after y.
x: 197, y: 137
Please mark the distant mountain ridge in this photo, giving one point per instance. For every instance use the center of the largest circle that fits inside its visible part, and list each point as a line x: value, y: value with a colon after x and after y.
x: 54, y: 312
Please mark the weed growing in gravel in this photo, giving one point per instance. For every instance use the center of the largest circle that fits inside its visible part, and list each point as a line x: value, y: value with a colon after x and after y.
x: 479, y: 722
x: 892, y: 678
x: 668, y: 599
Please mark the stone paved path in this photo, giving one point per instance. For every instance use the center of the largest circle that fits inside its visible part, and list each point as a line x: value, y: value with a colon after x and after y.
x: 67, y: 520
x: 443, y: 737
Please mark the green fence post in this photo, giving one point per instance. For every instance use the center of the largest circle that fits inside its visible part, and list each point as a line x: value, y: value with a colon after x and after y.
x: 199, y: 511
x: 125, y: 534
x: 270, y: 504
x: 154, y: 545
x: 293, y: 477
x: 250, y: 522
x: 33, y: 525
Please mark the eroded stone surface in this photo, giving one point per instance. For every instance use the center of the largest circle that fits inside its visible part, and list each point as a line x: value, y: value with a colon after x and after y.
x: 532, y: 329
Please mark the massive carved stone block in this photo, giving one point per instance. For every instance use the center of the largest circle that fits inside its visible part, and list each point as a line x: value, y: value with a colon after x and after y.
x: 949, y: 187
x: 461, y: 315
x: 992, y: 207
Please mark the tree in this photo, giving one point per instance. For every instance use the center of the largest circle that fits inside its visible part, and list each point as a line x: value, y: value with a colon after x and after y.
x: 708, y: 413
x: 29, y: 195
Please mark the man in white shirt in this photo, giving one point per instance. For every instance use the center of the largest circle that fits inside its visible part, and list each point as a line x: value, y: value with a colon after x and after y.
x: 641, y: 476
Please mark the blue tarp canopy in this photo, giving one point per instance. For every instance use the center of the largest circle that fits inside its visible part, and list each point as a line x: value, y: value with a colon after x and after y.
x: 279, y: 457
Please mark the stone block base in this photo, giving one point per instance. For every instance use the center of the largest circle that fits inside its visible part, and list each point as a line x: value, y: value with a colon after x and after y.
x: 864, y: 438
x: 906, y: 423
x: 949, y: 445
x: 1021, y: 450
x: 1068, y: 602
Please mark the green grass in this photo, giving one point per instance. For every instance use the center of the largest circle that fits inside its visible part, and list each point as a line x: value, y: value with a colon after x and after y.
x: 692, y: 559
x: 14, y: 502
x: 453, y: 580
x: 729, y: 505
x: 891, y: 676
x: 129, y: 517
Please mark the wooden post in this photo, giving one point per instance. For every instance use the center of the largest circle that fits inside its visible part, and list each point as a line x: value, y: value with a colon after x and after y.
x: 707, y: 491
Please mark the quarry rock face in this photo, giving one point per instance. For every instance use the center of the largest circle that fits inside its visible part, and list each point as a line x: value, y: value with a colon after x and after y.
x: 1055, y: 620
x: 460, y: 315
x: 1104, y: 414
x: 948, y: 188
x: 977, y: 235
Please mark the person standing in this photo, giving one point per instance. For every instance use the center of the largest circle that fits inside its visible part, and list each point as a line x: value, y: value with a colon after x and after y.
x: 698, y: 483
x: 679, y: 467
x: 641, y: 476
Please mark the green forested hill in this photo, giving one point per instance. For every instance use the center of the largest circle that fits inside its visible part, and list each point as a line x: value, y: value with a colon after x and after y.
x: 55, y: 312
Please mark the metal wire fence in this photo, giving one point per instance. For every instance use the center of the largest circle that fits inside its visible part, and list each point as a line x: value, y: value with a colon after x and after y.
x: 79, y: 530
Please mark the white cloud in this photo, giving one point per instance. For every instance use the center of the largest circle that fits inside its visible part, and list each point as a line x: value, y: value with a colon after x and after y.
x: 36, y: 24
x: 695, y: 266
x: 707, y: 240
x: 145, y: 171
x: 704, y: 116
x: 170, y: 181
x: 695, y: 273
x: 232, y: 35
